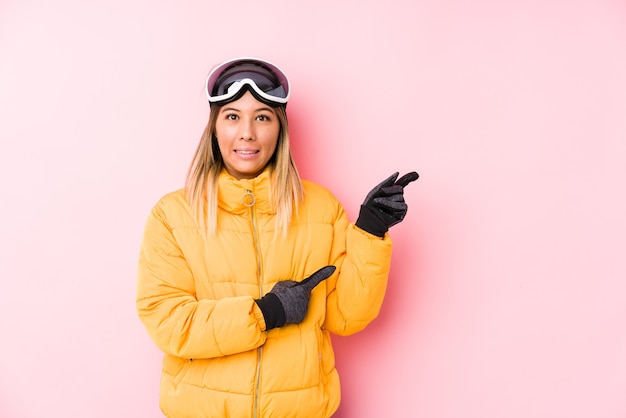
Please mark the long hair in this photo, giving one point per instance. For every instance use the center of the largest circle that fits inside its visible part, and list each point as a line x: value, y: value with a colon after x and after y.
x: 201, y: 187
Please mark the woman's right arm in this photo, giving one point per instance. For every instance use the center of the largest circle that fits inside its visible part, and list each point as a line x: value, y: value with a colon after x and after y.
x: 179, y: 323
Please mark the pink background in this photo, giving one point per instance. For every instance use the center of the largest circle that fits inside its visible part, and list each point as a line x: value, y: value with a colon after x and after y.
x: 508, y: 287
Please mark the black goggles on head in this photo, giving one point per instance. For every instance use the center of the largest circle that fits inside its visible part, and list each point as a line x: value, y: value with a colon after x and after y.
x: 228, y: 82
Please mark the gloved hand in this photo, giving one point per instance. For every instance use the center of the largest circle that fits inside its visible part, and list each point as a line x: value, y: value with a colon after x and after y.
x: 288, y: 301
x: 384, y: 206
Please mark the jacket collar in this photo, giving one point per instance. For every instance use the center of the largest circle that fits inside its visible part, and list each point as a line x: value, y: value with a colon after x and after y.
x: 237, y: 196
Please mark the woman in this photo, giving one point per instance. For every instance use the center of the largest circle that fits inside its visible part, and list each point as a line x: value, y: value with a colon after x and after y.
x: 244, y: 274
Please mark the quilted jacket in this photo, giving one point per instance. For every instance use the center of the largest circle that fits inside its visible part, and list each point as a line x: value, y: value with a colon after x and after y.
x: 195, y: 297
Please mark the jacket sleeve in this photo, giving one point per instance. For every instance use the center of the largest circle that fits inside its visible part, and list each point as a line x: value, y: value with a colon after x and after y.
x: 180, y: 324
x: 356, y: 294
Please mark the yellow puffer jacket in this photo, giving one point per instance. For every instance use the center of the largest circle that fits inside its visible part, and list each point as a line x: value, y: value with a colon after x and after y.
x: 195, y: 296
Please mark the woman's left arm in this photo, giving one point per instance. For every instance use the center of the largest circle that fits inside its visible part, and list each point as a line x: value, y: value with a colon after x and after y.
x: 356, y: 294
x: 362, y: 252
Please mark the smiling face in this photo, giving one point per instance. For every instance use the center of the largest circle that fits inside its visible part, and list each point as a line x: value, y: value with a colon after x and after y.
x: 247, y: 133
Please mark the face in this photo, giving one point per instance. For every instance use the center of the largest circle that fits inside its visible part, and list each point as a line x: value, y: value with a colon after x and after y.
x: 247, y: 134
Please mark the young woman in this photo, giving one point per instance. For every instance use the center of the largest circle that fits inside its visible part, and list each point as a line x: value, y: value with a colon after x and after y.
x: 244, y: 274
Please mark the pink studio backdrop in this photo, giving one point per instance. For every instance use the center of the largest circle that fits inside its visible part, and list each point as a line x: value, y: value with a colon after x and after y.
x: 508, y: 287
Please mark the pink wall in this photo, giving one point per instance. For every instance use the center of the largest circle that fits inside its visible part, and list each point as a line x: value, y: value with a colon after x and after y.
x: 507, y: 295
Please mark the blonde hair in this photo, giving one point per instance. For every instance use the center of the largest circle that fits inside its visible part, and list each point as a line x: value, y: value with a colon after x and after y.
x: 201, y: 187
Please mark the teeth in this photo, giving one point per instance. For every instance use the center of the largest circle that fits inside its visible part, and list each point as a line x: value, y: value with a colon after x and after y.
x: 246, y: 152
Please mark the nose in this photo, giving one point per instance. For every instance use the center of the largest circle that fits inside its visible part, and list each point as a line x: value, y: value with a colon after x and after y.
x: 246, y: 131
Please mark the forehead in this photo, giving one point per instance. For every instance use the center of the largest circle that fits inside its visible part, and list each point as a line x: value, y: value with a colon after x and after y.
x: 247, y: 103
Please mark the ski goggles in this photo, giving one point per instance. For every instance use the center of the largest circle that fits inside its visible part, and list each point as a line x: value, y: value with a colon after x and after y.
x: 230, y: 80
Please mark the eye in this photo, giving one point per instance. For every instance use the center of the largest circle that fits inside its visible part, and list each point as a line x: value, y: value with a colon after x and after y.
x: 231, y: 116
x: 263, y: 118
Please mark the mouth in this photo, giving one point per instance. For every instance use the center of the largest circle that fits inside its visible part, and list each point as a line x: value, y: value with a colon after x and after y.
x: 246, y: 152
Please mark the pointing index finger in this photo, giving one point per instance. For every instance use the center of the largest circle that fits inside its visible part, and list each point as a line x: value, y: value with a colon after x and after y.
x: 317, y: 277
x: 407, y: 178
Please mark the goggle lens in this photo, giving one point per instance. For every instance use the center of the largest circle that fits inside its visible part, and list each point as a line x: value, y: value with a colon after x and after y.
x: 266, y: 82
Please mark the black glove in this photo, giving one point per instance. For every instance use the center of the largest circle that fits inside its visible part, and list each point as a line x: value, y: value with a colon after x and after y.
x: 384, y: 206
x: 288, y: 301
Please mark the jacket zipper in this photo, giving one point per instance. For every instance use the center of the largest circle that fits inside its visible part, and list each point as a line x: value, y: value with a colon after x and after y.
x: 249, y: 200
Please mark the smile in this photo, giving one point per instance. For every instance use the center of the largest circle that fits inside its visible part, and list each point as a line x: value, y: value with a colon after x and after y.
x: 246, y: 152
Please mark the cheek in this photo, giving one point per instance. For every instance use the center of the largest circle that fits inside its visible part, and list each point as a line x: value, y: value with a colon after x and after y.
x: 219, y: 131
x: 223, y: 144
x: 273, y: 135
x: 272, y: 144
x: 223, y: 137
x: 221, y: 147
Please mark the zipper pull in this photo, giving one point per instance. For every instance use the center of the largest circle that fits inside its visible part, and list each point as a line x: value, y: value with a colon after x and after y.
x: 248, y: 199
